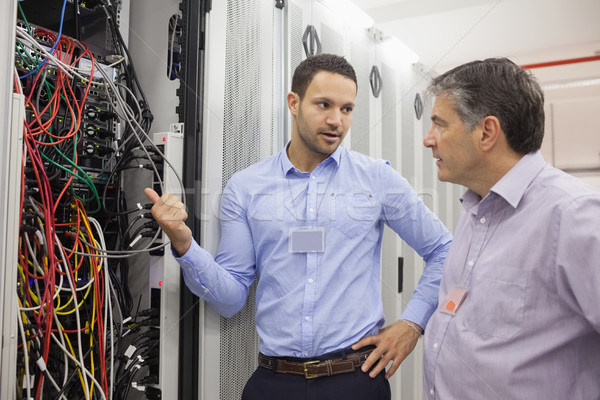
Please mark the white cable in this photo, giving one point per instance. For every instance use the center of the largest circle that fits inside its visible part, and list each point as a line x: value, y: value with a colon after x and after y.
x: 25, y: 357
x: 20, y: 86
x: 39, y: 268
x: 64, y: 346
x: 108, y: 316
x: 35, y: 46
x: 140, y: 141
x: 78, y: 323
x: 81, y: 367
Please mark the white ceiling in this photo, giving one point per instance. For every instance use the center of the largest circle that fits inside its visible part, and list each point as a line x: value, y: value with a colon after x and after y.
x: 445, y: 33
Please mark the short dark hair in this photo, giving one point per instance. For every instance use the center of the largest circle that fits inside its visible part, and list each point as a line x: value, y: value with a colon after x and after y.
x: 308, y: 68
x: 498, y: 87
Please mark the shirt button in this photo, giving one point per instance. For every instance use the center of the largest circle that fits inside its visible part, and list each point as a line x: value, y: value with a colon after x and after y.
x: 311, y: 209
x: 471, y: 263
x: 305, y: 354
x: 307, y: 318
x: 310, y: 281
x: 431, y: 391
x: 190, y: 269
x: 482, y: 220
x: 436, y: 345
x: 312, y: 177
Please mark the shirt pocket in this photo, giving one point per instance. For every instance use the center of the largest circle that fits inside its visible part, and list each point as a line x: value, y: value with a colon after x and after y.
x: 497, y: 301
x: 354, y: 213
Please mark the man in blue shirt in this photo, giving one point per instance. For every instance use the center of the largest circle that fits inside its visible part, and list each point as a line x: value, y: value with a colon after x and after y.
x: 308, y: 223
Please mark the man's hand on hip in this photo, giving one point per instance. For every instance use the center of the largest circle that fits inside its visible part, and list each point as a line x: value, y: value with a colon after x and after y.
x: 393, y: 343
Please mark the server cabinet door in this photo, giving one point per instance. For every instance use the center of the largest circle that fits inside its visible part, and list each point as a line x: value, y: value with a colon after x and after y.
x: 240, y: 128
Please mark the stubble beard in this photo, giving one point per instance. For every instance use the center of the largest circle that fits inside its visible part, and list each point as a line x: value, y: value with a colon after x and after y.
x: 309, y: 138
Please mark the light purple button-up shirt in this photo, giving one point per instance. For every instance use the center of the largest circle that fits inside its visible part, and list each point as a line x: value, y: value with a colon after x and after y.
x: 529, y: 327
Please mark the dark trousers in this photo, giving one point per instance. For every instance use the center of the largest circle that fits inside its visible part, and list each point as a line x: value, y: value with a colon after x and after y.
x: 266, y: 384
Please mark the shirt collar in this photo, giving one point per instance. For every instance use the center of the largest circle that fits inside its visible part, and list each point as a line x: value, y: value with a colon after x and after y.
x: 514, y: 183
x: 512, y: 186
x: 287, y: 166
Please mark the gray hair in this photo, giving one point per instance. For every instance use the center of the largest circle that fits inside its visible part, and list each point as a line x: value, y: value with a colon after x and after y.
x: 500, y: 88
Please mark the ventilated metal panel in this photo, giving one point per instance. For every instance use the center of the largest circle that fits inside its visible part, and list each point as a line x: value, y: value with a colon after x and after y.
x: 239, y: 350
x: 389, y: 125
x: 296, y: 50
x: 241, y: 126
x: 244, y: 132
x: 331, y: 41
x: 296, y: 30
x: 361, y: 118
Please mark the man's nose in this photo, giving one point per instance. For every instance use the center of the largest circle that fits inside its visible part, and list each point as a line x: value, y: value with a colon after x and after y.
x: 334, y: 118
x: 429, y: 140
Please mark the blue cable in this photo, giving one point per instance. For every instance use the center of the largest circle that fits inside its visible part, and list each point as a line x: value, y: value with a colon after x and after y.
x: 62, y: 18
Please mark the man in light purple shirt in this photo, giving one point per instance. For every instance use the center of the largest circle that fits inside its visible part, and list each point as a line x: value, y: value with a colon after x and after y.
x: 519, y: 305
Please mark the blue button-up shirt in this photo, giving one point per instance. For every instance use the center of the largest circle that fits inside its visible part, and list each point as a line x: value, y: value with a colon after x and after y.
x: 309, y: 304
x: 529, y: 254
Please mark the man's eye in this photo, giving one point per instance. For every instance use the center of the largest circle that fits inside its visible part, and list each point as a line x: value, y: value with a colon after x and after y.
x: 347, y: 109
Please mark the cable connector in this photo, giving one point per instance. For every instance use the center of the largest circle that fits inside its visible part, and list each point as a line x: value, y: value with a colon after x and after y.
x: 153, y: 393
x: 147, y: 215
x: 149, y: 380
x: 146, y: 114
x: 113, y: 58
x: 149, y: 312
x: 149, y: 322
x: 148, y: 234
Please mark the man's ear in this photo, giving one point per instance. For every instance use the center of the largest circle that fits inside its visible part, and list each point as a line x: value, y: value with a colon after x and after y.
x: 293, y: 101
x: 491, y: 133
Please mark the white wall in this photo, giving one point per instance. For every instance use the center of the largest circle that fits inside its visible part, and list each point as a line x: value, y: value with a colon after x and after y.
x: 572, y: 138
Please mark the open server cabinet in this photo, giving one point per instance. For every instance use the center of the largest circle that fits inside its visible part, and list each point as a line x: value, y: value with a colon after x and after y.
x: 166, y: 49
x: 228, y: 92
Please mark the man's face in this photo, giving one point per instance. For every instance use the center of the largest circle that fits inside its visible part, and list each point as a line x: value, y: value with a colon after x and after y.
x: 324, y: 115
x: 454, y: 148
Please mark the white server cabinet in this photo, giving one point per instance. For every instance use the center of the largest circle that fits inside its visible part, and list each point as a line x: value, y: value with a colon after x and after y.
x: 11, y: 119
x: 394, y: 288
x: 164, y: 272
x: 9, y: 237
x: 242, y: 117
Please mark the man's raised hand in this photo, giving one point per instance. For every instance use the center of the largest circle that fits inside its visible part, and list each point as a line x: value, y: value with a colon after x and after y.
x: 169, y: 212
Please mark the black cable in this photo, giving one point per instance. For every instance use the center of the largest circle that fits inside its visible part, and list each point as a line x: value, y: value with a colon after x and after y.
x: 75, y: 371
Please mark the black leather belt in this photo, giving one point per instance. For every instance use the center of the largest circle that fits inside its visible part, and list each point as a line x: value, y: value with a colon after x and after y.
x: 316, y: 368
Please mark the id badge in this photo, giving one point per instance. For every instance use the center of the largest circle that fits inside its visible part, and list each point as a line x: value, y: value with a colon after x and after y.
x: 307, y: 240
x: 454, y: 299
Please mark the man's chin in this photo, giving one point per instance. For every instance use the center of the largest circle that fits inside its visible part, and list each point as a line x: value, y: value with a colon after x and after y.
x: 442, y: 177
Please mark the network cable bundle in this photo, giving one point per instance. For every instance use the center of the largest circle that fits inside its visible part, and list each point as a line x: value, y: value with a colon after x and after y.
x: 81, y: 333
